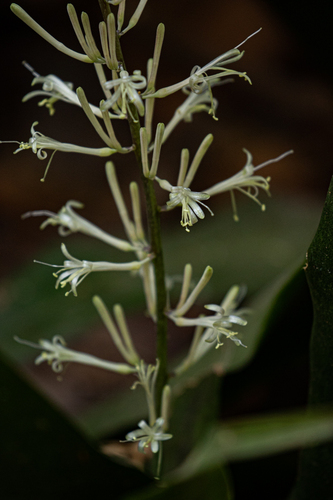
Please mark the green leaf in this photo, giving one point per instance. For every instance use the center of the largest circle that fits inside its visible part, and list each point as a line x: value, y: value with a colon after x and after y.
x: 42, y: 455
x: 316, y: 465
x: 255, y: 437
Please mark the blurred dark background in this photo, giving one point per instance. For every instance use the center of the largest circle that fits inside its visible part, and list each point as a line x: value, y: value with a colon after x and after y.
x: 289, y: 105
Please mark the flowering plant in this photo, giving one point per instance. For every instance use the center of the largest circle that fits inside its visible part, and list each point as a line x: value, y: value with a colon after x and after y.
x: 131, y: 97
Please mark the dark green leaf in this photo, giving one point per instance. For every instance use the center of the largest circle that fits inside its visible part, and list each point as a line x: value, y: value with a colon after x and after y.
x: 254, y: 437
x: 316, y: 465
x: 43, y: 456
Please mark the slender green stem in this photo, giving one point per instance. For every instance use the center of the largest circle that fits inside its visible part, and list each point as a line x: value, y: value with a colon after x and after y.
x: 153, y: 216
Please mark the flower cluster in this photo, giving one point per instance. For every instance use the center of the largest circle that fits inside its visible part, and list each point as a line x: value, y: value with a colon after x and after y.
x: 130, y: 96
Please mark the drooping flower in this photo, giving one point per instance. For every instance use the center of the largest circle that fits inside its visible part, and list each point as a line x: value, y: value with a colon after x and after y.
x: 181, y: 194
x: 190, y: 202
x: 149, y: 436
x: 221, y: 323
x: 56, y: 353
x: 74, y: 271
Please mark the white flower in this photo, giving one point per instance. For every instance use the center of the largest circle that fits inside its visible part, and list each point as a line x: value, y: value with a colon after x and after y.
x: 217, y: 325
x: 181, y: 195
x: 56, y: 353
x: 38, y: 142
x: 74, y: 271
x: 246, y: 182
x: 210, y: 329
x: 53, y: 90
x: 220, y: 323
x: 190, y: 202
x: 70, y: 222
x: 149, y: 436
x: 198, y: 102
x: 126, y: 87
x: 199, y: 78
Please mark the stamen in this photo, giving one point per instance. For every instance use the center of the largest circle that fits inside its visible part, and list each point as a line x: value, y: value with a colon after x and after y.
x: 48, y: 164
x: 31, y: 69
